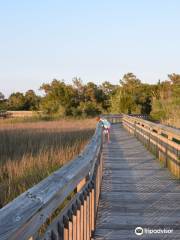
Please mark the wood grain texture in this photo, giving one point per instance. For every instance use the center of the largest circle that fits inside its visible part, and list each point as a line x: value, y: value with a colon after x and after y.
x: 136, y: 191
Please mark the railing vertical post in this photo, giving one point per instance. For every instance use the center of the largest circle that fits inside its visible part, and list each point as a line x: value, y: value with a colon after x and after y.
x: 93, y: 209
x: 85, y: 216
x: 90, y: 208
x: 60, y: 231
x: 74, y: 221
x: 97, y: 186
x: 82, y: 217
x: 78, y: 204
x: 70, y: 225
x: 88, y: 216
x: 66, y: 231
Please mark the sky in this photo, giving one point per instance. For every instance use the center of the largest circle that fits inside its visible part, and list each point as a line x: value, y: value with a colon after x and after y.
x: 97, y: 40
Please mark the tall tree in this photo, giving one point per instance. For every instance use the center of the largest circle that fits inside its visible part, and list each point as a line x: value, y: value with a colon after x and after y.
x: 79, y: 89
x: 16, y: 101
x: 143, y: 98
x: 31, y: 100
x: 129, y: 87
x: 58, y: 97
x: 2, y: 102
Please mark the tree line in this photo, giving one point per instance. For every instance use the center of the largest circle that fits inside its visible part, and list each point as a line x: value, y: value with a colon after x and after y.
x: 131, y: 95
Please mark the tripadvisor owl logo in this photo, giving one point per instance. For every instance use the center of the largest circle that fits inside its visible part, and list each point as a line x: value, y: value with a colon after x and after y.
x: 139, y: 231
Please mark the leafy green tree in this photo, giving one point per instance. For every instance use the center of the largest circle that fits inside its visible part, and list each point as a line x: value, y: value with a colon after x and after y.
x: 89, y: 109
x: 121, y: 102
x: 90, y: 92
x: 58, y: 97
x: 124, y: 100
x: 166, y: 106
x: 2, y: 102
x: 96, y: 95
x: 143, y: 98
x: 131, y: 85
x: 79, y: 89
x: 31, y: 100
x: 16, y: 101
x: 175, y: 86
x: 108, y: 90
x: 155, y: 90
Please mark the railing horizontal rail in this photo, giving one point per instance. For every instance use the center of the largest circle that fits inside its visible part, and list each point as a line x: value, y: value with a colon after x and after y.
x: 163, y: 141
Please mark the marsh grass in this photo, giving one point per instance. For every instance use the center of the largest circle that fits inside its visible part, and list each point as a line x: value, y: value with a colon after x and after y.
x: 29, y: 152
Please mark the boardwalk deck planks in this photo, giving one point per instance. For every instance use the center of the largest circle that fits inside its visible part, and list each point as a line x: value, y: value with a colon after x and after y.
x: 136, y: 191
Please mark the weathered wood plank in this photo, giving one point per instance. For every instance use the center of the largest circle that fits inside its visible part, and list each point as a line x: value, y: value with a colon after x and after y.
x: 136, y: 191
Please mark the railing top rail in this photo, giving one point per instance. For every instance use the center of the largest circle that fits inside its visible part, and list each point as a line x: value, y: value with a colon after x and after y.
x: 159, y: 127
x: 111, y: 115
x: 26, y: 214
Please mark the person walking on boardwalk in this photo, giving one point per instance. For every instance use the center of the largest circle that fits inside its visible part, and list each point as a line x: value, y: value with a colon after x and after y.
x: 105, y: 124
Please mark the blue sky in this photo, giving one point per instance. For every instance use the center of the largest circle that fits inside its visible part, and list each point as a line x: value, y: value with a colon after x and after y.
x: 96, y: 40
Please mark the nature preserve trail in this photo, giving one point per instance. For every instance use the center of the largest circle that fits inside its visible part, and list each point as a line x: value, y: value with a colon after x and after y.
x: 136, y: 192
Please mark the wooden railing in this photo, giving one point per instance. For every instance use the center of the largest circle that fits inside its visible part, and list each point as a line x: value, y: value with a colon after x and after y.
x: 143, y: 116
x: 39, y: 213
x: 118, y: 118
x: 113, y: 118
x: 163, y: 141
x: 64, y: 205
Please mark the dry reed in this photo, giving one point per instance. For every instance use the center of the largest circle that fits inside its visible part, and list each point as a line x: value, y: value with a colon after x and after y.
x: 30, y: 152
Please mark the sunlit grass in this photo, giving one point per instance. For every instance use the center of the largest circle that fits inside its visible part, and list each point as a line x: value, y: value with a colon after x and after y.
x: 29, y: 152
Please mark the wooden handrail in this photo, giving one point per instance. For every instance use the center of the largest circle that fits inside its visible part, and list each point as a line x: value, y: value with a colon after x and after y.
x: 161, y: 140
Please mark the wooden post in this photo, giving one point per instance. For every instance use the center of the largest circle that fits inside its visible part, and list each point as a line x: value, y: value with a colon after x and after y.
x: 70, y: 225
x: 74, y: 221
x: 97, y: 185
x: 66, y: 231
x: 88, y: 217
x: 82, y: 217
x: 85, y: 216
x: 90, y: 208
x: 60, y: 231
x: 78, y: 204
x: 81, y: 184
x: 93, y: 209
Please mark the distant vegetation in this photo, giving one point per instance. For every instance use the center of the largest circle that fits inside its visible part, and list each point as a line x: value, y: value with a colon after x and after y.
x: 161, y: 100
x: 32, y: 151
x: 166, y: 101
x: 131, y: 95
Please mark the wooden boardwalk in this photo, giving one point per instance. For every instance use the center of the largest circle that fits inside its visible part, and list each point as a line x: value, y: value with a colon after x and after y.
x: 136, y: 192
